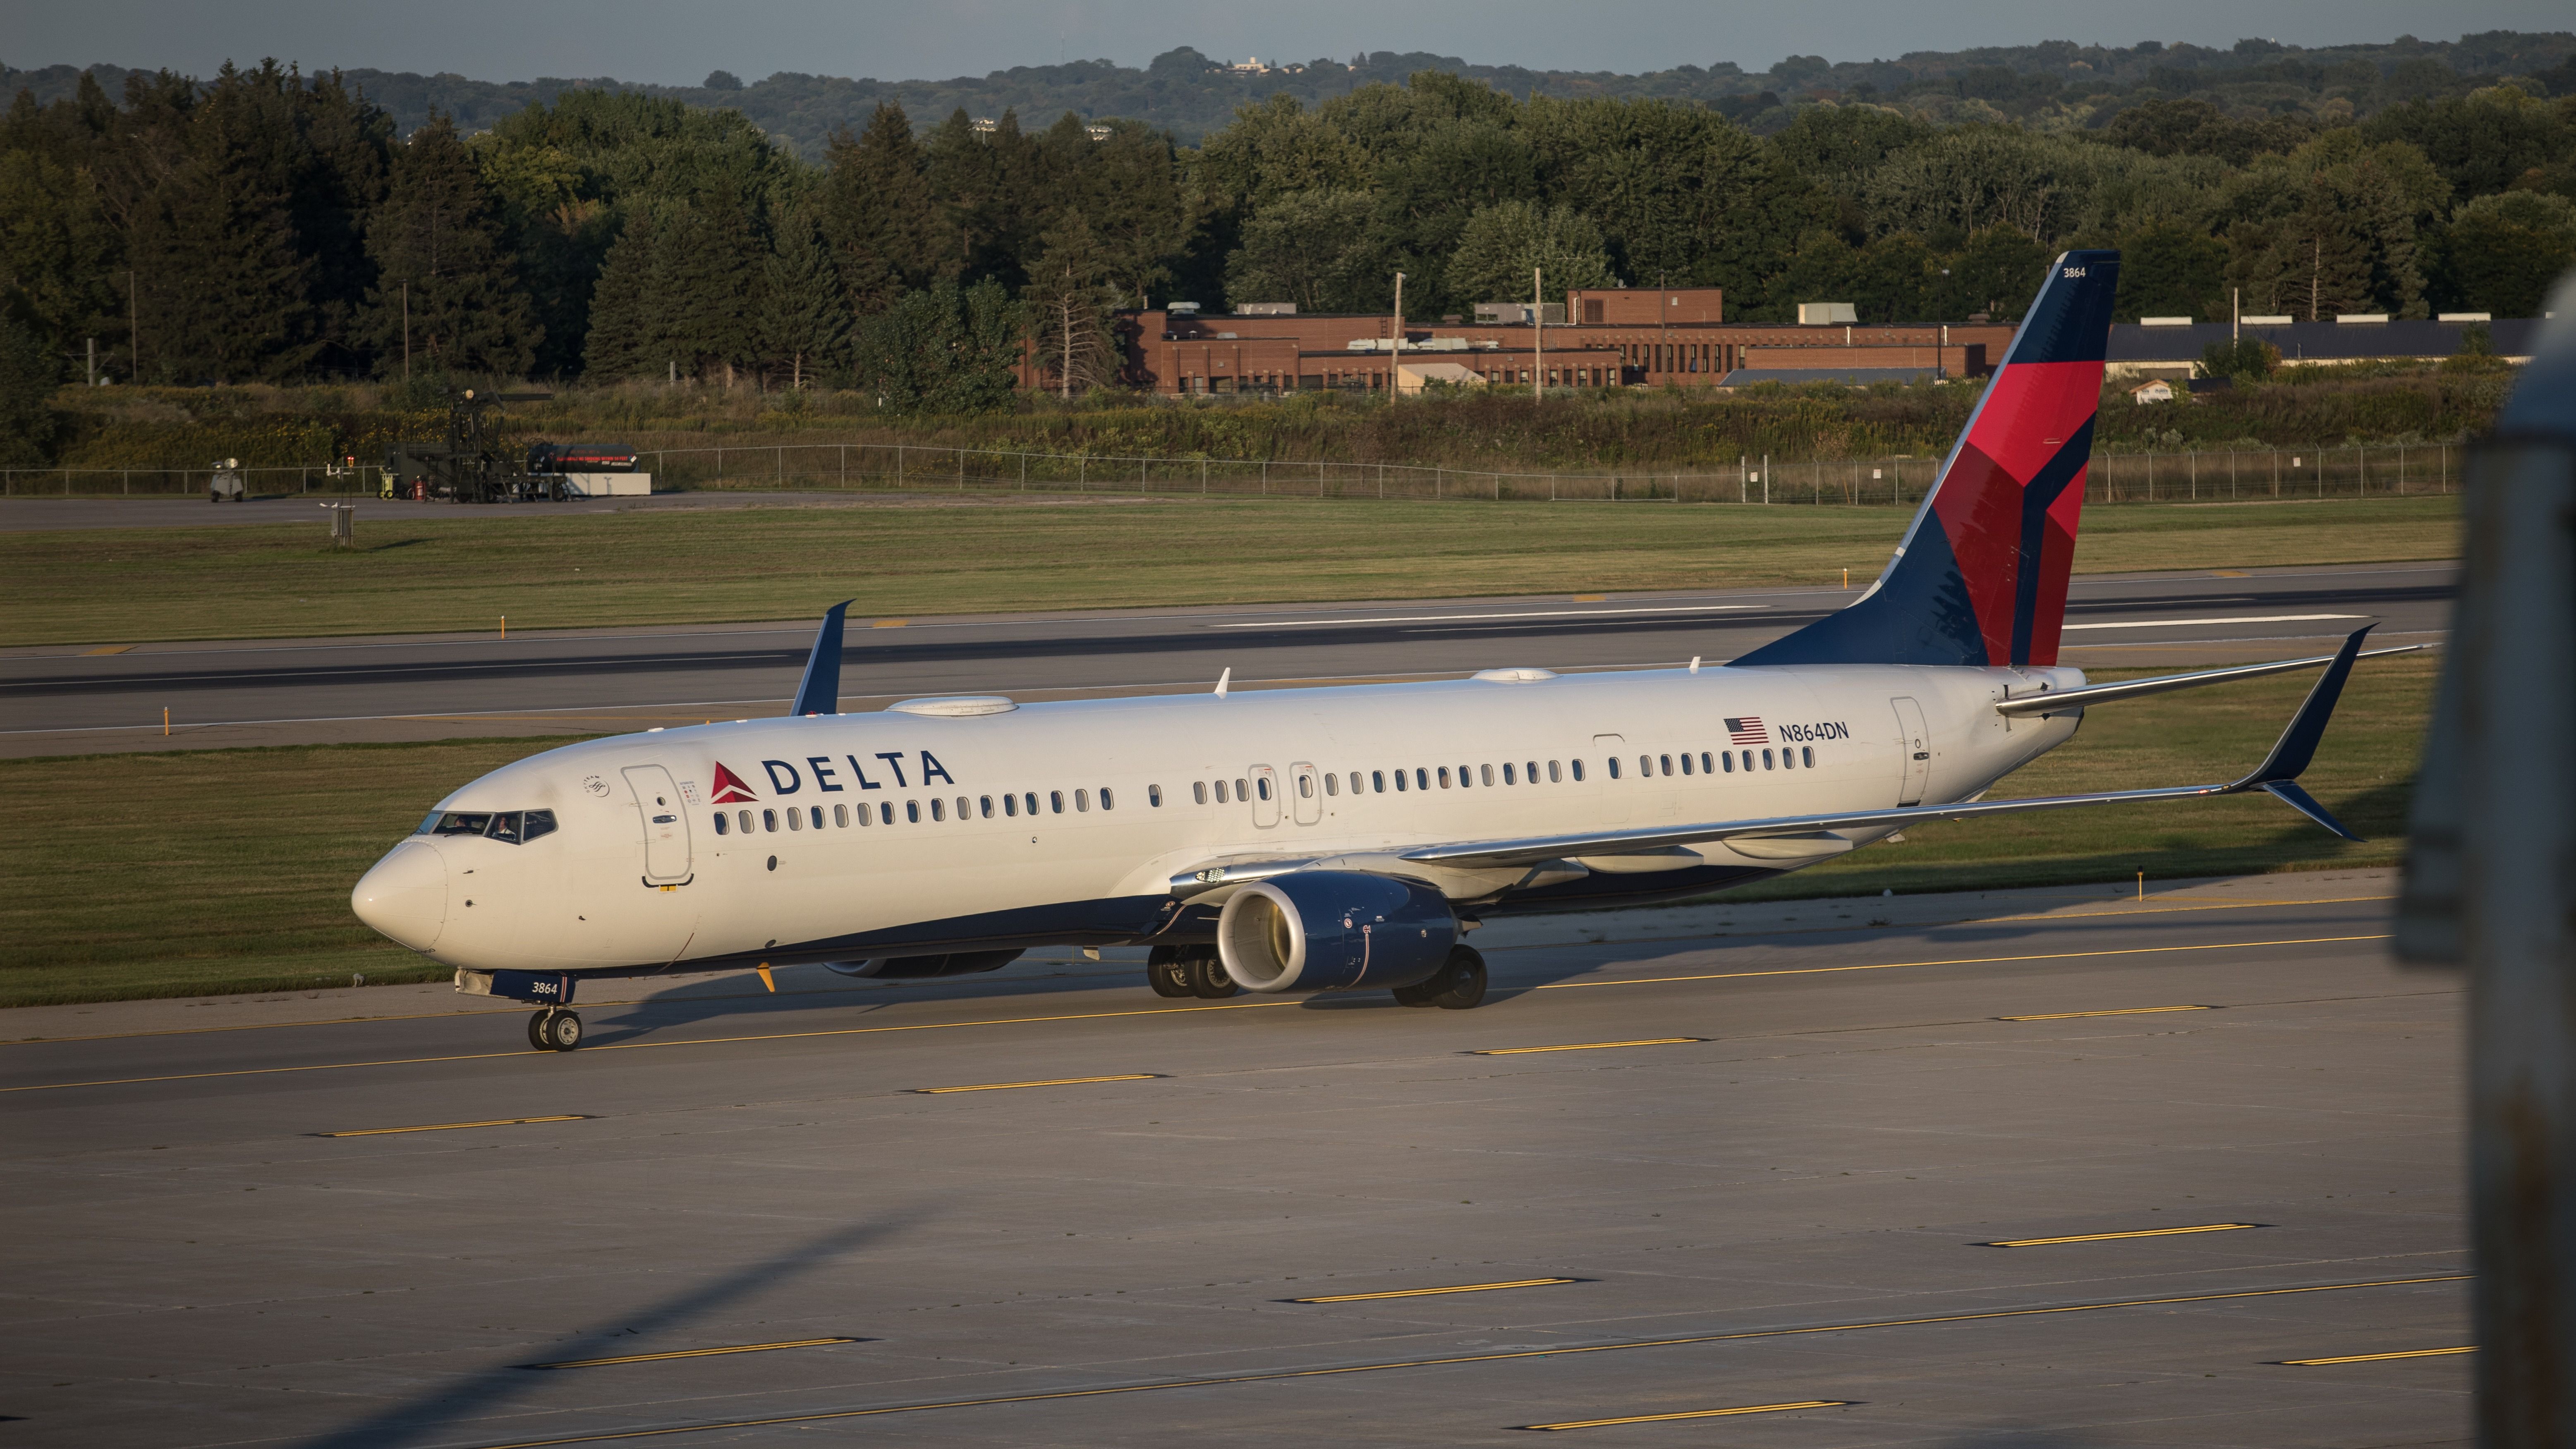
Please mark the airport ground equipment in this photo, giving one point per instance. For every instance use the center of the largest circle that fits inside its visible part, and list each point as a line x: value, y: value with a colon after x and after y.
x: 227, y: 482
x: 344, y: 524
x: 467, y: 465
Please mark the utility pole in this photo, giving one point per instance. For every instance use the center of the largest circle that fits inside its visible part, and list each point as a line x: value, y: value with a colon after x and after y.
x: 1663, y: 322
x: 2236, y: 314
x: 133, y: 332
x: 1395, y: 369
x: 1538, y: 335
x: 406, y: 333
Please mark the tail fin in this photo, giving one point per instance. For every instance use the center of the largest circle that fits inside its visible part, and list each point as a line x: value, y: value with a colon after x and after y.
x: 1980, y: 578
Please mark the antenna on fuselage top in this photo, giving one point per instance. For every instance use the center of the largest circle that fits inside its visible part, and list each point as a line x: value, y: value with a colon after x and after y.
x: 819, y: 692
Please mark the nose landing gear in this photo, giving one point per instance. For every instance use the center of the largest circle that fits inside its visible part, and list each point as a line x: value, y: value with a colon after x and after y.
x: 554, y: 1030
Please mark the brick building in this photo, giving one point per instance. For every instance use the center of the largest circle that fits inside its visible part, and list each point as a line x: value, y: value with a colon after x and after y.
x: 1609, y: 338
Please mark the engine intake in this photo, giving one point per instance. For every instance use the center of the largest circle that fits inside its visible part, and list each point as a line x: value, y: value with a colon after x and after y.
x: 1333, y: 930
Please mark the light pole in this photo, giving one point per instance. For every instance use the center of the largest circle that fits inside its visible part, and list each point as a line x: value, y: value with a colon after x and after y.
x: 1538, y: 334
x: 1395, y: 369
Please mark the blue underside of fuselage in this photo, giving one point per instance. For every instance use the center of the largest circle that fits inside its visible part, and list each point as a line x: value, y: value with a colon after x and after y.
x: 1132, y: 920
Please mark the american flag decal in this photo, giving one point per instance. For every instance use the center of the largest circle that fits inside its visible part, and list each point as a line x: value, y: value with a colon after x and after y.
x: 1748, y: 731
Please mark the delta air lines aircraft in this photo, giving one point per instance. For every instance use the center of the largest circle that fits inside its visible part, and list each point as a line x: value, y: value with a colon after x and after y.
x: 1317, y: 839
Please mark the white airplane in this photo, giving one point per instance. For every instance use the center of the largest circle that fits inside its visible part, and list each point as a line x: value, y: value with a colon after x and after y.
x: 1317, y: 839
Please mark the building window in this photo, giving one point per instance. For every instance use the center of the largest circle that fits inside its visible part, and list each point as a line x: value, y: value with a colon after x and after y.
x: 1198, y: 791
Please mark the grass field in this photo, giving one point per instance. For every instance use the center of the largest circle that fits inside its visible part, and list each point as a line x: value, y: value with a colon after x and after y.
x: 416, y: 573
x: 229, y: 870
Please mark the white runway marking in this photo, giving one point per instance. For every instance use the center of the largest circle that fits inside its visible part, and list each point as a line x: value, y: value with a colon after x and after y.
x: 2241, y: 619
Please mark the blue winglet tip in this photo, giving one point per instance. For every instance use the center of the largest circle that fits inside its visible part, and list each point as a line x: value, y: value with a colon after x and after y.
x: 819, y: 692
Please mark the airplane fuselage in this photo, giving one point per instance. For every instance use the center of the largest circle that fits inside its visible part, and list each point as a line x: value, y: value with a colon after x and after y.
x: 844, y: 837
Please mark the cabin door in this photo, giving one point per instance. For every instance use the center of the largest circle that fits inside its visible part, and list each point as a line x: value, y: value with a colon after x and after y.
x: 1915, y: 742
x: 666, y: 824
x: 1265, y: 796
x: 1307, y: 797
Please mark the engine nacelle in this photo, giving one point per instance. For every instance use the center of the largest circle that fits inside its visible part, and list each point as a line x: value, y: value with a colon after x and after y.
x: 1329, y: 930
x: 922, y: 968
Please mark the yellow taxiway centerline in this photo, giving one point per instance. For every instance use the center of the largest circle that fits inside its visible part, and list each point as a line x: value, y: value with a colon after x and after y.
x: 1055, y: 1082
x: 2378, y: 1357
x: 1583, y: 1046
x: 2109, y: 1237
x: 629, y: 1046
x: 1691, y: 1414
x: 574, y: 1363
x: 1509, y: 1355
x: 2115, y: 1011
x: 1433, y: 1292
x: 455, y: 1126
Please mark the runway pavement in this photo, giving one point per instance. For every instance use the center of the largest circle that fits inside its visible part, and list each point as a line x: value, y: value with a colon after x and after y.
x: 1726, y: 1159
x: 267, y: 692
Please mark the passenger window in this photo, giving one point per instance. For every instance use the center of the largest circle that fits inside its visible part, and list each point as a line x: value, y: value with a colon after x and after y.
x: 1444, y: 776
x: 795, y: 818
x: 1766, y: 759
x: 1703, y: 764
x: 1645, y: 766
x: 885, y: 812
x: 1686, y: 762
x: 1377, y: 781
x: 912, y: 812
x: 965, y: 808
x: 1154, y: 796
x: 867, y: 816
x: 1243, y: 789
x: 1578, y: 771
x: 1332, y: 784
x: 1220, y: 792
x: 1485, y: 773
x: 1806, y: 761
x: 1011, y: 805
x: 1107, y: 802
x: 746, y: 821
x: 1507, y: 773
x: 1082, y: 800
x: 938, y: 808
x: 1729, y: 759
x: 1305, y: 787
x: 1614, y: 768
x: 1402, y: 783
x: 1667, y: 763
x: 1748, y: 762
x: 1030, y: 801
x: 1055, y: 801
x: 1421, y: 778
x: 1551, y: 774
x: 720, y: 822
x: 769, y: 820
x: 818, y: 817
x: 984, y: 806
x: 840, y: 817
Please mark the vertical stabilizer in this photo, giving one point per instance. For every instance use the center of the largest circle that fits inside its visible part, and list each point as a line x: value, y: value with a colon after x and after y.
x: 1980, y: 578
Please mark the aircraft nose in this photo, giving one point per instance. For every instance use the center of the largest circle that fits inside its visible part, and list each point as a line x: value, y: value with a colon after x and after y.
x: 405, y: 896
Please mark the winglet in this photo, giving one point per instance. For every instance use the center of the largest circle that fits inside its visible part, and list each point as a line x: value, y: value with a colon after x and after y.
x: 2277, y: 775
x: 819, y: 692
x: 1223, y: 679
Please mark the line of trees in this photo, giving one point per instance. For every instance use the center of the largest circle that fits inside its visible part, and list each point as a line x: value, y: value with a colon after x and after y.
x: 267, y: 226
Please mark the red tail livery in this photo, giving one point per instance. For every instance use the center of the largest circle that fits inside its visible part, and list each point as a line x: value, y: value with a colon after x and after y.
x: 1981, y: 576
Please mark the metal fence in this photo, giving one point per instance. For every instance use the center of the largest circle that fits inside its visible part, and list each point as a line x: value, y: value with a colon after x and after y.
x: 2114, y: 477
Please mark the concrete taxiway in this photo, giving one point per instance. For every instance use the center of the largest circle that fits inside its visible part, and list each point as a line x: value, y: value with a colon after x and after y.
x: 1681, y: 1164
x: 293, y: 691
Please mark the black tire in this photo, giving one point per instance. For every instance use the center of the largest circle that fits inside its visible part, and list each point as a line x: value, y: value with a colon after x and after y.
x: 1420, y: 992
x: 1166, y: 972
x: 1208, y: 978
x: 537, y: 1032
x: 1461, y: 982
x: 563, y: 1031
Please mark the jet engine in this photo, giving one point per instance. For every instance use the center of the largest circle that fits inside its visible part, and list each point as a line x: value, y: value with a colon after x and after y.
x: 922, y: 968
x: 1327, y: 930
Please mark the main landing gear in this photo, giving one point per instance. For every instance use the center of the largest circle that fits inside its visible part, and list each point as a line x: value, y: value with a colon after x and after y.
x: 1188, y: 971
x: 554, y: 1030
x: 1458, y: 985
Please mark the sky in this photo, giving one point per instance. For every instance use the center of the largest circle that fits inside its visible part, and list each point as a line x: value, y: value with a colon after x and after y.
x: 677, y: 42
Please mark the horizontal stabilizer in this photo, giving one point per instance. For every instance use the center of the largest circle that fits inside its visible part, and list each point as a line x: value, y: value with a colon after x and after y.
x: 2062, y: 700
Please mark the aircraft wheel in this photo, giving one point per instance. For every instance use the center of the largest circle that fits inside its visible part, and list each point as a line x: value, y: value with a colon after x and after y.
x: 1461, y: 982
x: 1420, y: 992
x: 1208, y: 978
x: 563, y: 1031
x: 1166, y: 972
x: 537, y: 1030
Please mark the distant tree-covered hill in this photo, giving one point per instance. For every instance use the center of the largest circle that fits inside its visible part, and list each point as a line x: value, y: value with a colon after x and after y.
x: 2053, y: 85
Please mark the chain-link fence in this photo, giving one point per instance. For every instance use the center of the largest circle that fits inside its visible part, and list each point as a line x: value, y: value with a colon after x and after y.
x: 2216, y: 475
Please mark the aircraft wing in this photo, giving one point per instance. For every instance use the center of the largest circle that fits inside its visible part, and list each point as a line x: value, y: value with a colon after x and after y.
x: 2276, y: 776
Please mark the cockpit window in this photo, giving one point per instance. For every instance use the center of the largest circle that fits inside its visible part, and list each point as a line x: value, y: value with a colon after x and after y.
x: 513, y: 826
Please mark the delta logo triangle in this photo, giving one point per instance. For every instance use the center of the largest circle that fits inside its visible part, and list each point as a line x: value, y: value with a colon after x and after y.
x: 730, y: 790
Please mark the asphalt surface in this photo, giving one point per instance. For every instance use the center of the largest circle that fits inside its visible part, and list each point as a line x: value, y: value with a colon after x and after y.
x: 1790, y: 1205
x: 266, y: 692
